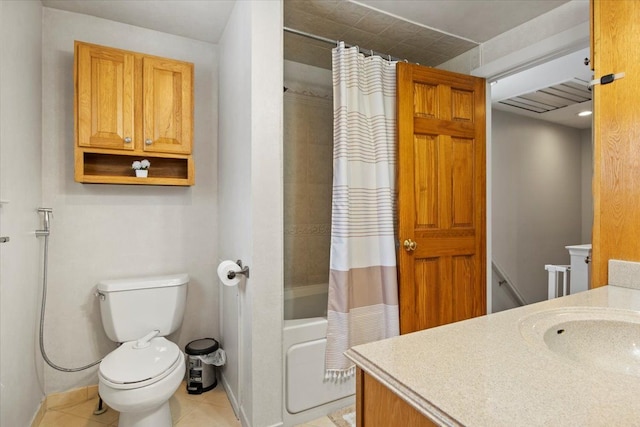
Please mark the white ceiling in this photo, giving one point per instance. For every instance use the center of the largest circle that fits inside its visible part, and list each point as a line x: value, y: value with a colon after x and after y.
x: 551, y: 73
x: 396, y: 25
x: 202, y: 20
x: 475, y: 20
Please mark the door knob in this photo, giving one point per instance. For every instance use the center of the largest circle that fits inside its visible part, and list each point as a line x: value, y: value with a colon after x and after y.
x: 410, y: 245
x: 148, y: 141
x: 127, y: 140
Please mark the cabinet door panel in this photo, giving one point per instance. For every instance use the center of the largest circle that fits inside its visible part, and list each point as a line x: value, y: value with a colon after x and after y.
x: 168, y: 106
x: 105, y: 98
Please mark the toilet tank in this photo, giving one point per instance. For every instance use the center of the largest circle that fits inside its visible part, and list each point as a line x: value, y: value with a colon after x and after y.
x: 131, y: 308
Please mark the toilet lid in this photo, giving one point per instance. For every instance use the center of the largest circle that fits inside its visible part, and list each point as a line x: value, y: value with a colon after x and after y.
x: 130, y: 365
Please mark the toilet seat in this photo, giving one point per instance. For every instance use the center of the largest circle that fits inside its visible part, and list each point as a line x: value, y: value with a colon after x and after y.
x: 128, y: 367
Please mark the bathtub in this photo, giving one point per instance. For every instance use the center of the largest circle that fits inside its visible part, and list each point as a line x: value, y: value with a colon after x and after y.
x: 307, y: 395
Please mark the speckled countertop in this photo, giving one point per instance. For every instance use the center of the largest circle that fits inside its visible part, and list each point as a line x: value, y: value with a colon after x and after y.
x: 482, y: 372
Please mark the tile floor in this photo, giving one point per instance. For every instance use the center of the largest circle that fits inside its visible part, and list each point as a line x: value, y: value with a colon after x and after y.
x: 188, y: 410
x: 320, y: 422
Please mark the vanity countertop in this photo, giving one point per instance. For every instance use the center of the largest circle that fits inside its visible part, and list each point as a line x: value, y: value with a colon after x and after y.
x: 482, y: 372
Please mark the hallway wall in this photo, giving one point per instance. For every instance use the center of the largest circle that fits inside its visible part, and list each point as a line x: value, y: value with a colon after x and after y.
x: 537, y: 198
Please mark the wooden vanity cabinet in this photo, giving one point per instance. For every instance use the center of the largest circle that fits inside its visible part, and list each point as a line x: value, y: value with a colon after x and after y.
x: 131, y: 106
x: 377, y: 406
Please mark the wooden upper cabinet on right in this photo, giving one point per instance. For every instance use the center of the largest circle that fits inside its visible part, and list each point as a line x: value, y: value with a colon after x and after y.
x: 167, y: 88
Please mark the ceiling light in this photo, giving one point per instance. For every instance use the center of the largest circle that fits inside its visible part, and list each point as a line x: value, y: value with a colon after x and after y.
x: 584, y: 113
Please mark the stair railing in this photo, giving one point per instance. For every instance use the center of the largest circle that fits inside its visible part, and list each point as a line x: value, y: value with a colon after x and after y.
x: 504, y: 280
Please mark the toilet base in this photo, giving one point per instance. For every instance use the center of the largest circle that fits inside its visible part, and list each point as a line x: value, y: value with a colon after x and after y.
x: 145, y: 406
x: 158, y: 417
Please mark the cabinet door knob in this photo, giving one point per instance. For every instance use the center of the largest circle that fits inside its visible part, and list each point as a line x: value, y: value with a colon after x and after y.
x: 148, y: 141
x: 127, y: 140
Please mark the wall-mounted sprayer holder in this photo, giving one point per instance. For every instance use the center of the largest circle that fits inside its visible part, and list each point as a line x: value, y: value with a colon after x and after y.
x: 244, y: 271
x: 48, y: 213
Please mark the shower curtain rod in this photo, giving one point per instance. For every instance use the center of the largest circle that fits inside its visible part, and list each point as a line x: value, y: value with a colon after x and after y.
x: 335, y: 42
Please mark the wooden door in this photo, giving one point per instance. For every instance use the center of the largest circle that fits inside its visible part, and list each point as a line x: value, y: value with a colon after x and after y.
x: 105, y: 97
x: 167, y: 105
x: 441, y: 197
x: 616, y: 134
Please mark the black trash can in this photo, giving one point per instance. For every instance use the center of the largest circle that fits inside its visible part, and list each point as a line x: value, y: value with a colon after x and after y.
x: 201, y: 376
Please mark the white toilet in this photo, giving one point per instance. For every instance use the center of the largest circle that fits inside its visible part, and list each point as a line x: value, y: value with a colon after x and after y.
x: 138, y: 378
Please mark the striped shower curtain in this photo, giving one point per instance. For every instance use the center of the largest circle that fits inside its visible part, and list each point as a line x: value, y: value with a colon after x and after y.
x: 363, y: 289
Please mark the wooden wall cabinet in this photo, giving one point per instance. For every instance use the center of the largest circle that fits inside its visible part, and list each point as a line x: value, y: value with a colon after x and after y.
x: 616, y: 135
x: 130, y: 106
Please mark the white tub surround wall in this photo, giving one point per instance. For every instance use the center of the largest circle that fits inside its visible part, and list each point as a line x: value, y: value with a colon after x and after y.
x: 21, y: 367
x: 114, y: 231
x: 482, y: 372
x: 250, y: 208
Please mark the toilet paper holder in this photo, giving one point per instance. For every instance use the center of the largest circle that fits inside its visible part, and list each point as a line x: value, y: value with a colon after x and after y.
x: 243, y: 270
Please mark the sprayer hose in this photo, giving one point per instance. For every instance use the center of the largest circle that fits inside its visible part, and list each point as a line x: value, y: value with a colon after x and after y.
x: 42, y: 311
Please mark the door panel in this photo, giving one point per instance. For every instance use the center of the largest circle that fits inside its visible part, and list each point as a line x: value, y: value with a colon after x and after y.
x: 426, y: 180
x: 462, y: 175
x: 441, y: 196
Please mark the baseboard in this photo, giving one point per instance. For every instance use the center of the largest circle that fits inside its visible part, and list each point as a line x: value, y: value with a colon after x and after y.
x: 64, y: 399
x: 232, y: 397
x: 42, y: 409
x: 71, y: 397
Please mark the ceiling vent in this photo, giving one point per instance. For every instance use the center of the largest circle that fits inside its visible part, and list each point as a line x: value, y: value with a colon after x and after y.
x: 574, y: 91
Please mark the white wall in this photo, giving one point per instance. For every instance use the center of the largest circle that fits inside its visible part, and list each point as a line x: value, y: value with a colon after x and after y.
x: 234, y: 186
x: 537, y: 198
x: 20, y: 183
x: 116, y: 231
x: 250, y: 209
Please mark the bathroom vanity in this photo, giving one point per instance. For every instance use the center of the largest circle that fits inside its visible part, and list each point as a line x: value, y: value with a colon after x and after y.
x: 563, y: 362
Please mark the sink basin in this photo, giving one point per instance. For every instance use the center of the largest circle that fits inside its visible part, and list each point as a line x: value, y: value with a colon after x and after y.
x: 602, y: 338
